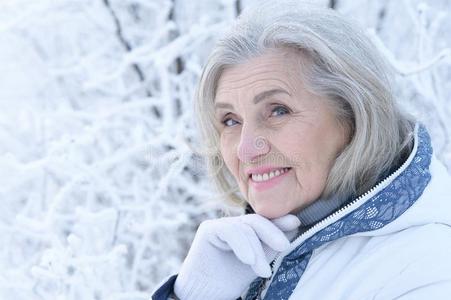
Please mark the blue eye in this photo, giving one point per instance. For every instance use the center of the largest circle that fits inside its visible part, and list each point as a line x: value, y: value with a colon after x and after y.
x: 279, y: 110
x: 229, y: 122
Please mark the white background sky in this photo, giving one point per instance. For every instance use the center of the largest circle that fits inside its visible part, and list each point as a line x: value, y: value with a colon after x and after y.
x: 100, y: 191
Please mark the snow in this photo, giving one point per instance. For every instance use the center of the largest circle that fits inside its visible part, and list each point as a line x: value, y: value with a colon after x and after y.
x: 101, y: 192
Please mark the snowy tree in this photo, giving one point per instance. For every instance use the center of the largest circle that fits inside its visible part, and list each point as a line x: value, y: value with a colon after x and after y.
x: 101, y: 189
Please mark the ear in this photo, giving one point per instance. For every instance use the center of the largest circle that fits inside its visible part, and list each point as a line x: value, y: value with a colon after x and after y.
x: 248, y: 210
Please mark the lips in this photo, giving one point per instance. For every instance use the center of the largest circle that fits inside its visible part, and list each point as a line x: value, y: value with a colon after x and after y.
x: 260, y: 177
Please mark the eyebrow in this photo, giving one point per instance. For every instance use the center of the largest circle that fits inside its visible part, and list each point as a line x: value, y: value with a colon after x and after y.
x: 259, y: 97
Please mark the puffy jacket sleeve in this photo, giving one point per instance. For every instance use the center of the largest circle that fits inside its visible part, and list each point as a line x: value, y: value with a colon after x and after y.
x: 428, y: 276
x: 439, y: 290
x: 166, y: 290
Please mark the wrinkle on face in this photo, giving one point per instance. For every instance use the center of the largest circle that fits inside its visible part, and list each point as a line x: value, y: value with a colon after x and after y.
x: 308, y: 139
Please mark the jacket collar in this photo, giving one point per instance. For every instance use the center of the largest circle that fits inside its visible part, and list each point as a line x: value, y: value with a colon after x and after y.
x: 371, y: 212
x: 384, y: 203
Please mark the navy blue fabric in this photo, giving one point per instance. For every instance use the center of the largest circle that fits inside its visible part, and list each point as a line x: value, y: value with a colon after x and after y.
x: 165, y: 290
x: 378, y: 211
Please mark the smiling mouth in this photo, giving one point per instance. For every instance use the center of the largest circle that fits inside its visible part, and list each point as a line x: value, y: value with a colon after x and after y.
x: 269, y: 175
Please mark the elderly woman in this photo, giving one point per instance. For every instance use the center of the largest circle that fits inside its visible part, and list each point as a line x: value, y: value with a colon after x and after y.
x: 344, y: 198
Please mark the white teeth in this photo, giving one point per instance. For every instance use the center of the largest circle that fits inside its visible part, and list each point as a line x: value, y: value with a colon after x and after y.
x: 267, y: 176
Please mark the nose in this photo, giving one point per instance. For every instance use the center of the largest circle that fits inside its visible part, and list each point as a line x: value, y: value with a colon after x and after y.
x: 252, y: 146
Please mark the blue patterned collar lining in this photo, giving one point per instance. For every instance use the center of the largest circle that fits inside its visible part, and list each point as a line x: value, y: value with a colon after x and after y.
x: 379, y: 210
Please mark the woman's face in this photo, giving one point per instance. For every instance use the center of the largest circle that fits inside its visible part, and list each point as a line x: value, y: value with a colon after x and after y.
x: 278, y: 140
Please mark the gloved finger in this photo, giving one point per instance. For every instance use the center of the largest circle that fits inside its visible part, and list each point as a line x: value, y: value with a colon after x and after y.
x: 261, y: 266
x: 213, y: 237
x: 287, y: 222
x: 219, y: 243
x: 267, y: 232
x: 238, y: 241
x: 208, y: 228
x: 270, y: 254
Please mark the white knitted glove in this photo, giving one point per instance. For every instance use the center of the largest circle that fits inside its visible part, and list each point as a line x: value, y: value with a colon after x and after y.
x: 227, y: 254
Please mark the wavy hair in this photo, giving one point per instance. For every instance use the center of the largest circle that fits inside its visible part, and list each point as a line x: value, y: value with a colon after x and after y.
x: 343, y: 66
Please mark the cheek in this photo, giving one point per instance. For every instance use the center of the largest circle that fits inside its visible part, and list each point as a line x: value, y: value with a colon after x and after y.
x: 311, y: 158
x: 228, y: 153
x: 293, y: 146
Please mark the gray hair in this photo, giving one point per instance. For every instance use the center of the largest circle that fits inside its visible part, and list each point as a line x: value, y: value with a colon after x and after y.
x: 344, y: 67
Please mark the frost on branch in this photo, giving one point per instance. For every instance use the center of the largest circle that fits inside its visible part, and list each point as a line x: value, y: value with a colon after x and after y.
x: 101, y: 192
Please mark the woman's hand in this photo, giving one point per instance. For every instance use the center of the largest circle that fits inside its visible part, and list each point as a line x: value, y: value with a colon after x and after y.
x: 227, y: 254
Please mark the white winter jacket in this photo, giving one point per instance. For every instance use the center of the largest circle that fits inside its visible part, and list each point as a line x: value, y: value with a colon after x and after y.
x: 392, y: 243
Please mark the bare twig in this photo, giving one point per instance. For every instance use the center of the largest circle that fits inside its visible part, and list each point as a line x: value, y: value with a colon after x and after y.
x: 127, y: 46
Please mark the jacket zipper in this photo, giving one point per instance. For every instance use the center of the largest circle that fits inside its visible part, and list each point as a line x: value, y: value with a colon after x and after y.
x: 338, y: 215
